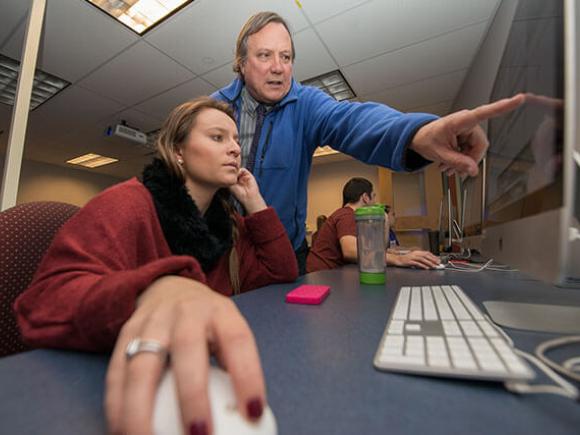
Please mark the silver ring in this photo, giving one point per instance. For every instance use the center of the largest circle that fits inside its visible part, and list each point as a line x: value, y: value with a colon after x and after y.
x: 137, y: 345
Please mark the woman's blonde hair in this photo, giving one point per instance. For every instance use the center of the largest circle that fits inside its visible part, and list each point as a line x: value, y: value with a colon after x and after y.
x: 171, y: 138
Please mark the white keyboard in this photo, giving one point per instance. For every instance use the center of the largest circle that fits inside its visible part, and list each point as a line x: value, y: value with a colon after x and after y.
x: 439, y: 331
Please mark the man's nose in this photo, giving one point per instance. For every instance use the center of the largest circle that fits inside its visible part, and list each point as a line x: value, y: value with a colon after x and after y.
x: 276, y: 65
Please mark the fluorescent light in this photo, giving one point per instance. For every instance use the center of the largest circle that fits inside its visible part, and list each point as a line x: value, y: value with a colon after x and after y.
x: 92, y: 160
x: 334, y: 84
x: 140, y: 15
x: 45, y: 85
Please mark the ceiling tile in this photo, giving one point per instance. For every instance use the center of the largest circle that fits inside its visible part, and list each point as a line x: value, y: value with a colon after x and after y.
x: 72, y: 109
x: 381, y: 26
x: 14, y: 15
x: 450, y: 52
x: 312, y: 57
x: 318, y: 10
x: 137, y: 74
x: 423, y: 93
x: 221, y: 76
x: 162, y: 104
x: 441, y: 109
x: 72, y: 57
x: 198, y: 39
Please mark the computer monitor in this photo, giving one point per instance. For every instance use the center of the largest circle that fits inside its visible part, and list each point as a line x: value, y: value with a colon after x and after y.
x: 472, y: 196
x: 532, y: 209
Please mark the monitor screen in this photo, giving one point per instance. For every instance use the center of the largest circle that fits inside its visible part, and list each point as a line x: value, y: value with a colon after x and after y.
x: 472, y: 204
x: 524, y: 164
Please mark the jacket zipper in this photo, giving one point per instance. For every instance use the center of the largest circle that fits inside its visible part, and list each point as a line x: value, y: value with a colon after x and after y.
x: 265, y: 148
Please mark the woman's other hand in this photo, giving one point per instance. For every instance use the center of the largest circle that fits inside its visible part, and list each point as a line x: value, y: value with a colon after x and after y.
x: 247, y: 192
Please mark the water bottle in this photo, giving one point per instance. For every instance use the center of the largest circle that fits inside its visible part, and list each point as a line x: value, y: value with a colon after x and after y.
x: 370, y: 236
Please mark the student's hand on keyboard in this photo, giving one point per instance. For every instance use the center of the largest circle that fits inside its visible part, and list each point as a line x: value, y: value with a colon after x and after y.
x: 419, y: 259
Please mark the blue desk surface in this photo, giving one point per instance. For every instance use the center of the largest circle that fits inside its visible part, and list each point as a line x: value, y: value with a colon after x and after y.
x: 318, y: 366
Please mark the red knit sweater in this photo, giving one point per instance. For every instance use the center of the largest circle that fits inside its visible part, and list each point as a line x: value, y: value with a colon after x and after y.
x: 110, y: 251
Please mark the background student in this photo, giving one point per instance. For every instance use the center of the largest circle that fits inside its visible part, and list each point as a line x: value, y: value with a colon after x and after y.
x: 336, y: 244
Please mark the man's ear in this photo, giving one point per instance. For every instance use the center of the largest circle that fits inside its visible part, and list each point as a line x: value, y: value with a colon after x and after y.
x: 365, y: 198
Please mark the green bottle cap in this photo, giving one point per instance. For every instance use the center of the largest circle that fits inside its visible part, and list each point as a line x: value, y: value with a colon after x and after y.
x: 370, y: 211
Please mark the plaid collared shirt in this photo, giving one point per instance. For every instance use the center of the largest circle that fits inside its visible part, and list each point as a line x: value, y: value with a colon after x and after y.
x: 247, y: 126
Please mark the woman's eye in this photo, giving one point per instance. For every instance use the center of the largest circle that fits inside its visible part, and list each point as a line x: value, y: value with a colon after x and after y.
x: 217, y: 137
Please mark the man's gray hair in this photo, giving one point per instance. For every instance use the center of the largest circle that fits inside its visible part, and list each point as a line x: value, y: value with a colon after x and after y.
x: 254, y: 24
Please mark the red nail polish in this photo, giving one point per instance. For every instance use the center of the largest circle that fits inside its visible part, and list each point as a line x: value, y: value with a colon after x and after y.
x: 254, y: 408
x: 198, y: 428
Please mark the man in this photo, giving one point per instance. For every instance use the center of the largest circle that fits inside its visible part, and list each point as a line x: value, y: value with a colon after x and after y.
x: 282, y: 122
x: 336, y: 244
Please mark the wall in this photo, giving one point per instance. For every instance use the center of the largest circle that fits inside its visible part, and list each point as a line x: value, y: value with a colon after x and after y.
x: 326, y: 183
x: 44, y: 182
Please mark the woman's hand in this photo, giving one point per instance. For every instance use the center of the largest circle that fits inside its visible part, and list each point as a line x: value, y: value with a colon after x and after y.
x: 247, y: 192
x: 191, y: 321
x: 420, y: 259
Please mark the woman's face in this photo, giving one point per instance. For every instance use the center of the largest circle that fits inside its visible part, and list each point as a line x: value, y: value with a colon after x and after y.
x: 211, y: 152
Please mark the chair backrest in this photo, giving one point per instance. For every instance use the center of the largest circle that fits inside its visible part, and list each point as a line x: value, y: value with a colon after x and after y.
x: 26, y: 232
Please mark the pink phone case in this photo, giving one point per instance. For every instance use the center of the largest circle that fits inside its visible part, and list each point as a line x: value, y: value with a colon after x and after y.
x: 308, y: 294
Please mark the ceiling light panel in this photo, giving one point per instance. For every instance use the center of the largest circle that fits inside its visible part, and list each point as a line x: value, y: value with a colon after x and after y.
x: 44, y: 87
x: 140, y: 15
x: 334, y: 84
x: 92, y: 160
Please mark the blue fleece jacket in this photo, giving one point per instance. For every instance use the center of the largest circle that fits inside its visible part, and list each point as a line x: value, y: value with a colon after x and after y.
x: 306, y: 118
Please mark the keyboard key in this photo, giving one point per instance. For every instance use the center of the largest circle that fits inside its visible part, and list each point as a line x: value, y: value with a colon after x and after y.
x: 402, y: 305
x: 442, y: 305
x: 456, y: 305
x: 413, y: 327
x: 467, y: 302
x: 450, y: 327
x: 470, y: 328
x: 428, y: 304
x: 487, y: 328
x: 416, y: 311
x: 396, y: 327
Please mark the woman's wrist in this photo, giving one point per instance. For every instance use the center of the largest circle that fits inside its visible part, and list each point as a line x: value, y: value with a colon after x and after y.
x: 255, y: 205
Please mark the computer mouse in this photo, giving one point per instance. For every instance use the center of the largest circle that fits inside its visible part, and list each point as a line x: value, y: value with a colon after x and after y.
x: 440, y: 266
x: 226, y: 419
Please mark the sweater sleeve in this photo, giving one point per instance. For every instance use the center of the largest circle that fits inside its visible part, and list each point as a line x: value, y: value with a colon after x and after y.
x: 371, y: 132
x: 88, y: 282
x: 266, y: 254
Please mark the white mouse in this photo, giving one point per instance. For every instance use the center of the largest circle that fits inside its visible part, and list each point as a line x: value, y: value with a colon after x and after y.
x: 440, y: 266
x: 226, y: 419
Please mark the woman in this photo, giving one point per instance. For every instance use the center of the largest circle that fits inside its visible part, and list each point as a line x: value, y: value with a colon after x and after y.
x: 145, y: 267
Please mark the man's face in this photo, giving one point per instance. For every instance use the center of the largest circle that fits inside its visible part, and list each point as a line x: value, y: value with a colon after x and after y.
x: 267, y: 71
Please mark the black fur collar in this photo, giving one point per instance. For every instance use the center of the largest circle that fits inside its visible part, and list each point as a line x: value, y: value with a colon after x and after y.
x: 207, y: 237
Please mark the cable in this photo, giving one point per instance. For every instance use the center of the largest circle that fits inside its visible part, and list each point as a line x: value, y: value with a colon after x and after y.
x: 572, y: 364
x: 564, y: 388
x: 561, y: 368
x: 457, y: 268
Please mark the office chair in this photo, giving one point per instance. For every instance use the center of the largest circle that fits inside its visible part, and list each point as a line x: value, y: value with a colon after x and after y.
x: 26, y: 232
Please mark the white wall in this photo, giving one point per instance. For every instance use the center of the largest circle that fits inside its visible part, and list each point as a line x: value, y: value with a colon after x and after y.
x: 326, y: 183
x: 44, y: 182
